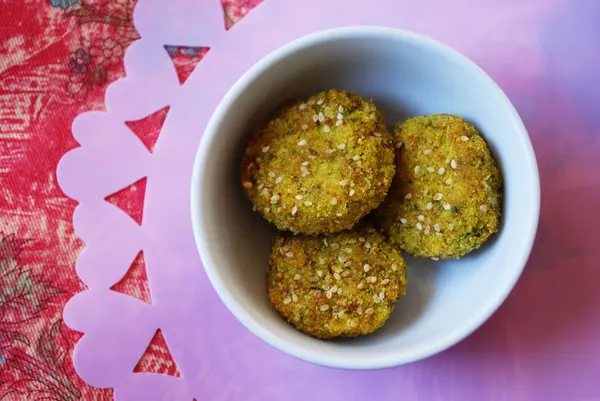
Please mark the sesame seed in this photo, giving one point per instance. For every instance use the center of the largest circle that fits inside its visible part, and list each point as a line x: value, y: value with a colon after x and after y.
x: 265, y: 191
x: 302, y: 142
x: 419, y: 226
x: 341, y: 259
x: 351, y: 192
x: 339, y: 291
x: 315, y: 118
x: 326, y: 128
x: 334, y: 201
x: 427, y: 151
x: 334, y: 288
x: 335, y: 245
x: 360, y: 285
x: 407, y: 196
x: 376, y: 299
x: 338, y: 123
x: 287, y: 300
x: 247, y: 184
x: 326, y: 244
x: 427, y: 229
x: 359, y: 310
x: 441, y: 171
x: 453, y: 163
x: 340, y: 109
x: 449, y: 181
x: 272, y: 174
x: 294, y: 210
x: 399, y: 144
x: 429, y: 206
x: 403, y: 220
x: 356, y: 158
x: 366, y: 268
x: 265, y: 149
x: 367, y: 245
x: 394, y: 267
x: 302, y: 106
x: 298, y: 197
x: 294, y: 297
x: 372, y: 279
x: 361, y: 239
x: 450, y: 226
x: 438, y: 196
x: 417, y: 168
x: 381, y: 295
x: 447, y: 206
x: 328, y: 294
x: 340, y: 116
x: 343, y: 183
x: 308, y: 203
x: 483, y: 208
x: 297, y: 277
x: 345, y: 273
x: 320, y: 273
x: 377, y: 134
x: 353, y: 323
x: 321, y: 117
x: 304, y: 126
x: 434, y: 258
x: 289, y: 254
x: 311, y: 101
x: 274, y: 198
x: 279, y: 179
x: 349, y: 250
x: 464, y: 138
x: 312, y: 157
x: 320, y: 102
x: 430, y: 169
x: 260, y: 186
x: 385, y: 281
x: 421, y: 217
x: 341, y: 146
x: 323, y: 308
x: 267, y: 210
x: 436, y: 227
x: 370, y: 311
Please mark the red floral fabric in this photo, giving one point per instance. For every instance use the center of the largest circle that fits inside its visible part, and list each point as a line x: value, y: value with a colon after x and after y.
x: 56, y: 59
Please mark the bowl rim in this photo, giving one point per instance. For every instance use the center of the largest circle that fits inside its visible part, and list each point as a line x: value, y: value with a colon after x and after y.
x: 379, y: 360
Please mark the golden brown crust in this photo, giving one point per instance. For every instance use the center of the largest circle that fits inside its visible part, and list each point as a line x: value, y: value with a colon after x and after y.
x: 319, y: 165
x: 344, y: 284
x: 445, y: 200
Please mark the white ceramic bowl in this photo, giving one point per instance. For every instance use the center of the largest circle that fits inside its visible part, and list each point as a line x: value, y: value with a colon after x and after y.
x: 405, y: 74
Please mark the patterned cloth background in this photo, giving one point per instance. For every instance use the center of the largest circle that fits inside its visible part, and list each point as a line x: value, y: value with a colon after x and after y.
x: 56, y: 59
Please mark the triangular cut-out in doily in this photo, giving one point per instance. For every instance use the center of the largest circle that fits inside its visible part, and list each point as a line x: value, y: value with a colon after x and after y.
x: 185, y: 59
x: 235, y: 10
x: 135, y: 281
x: 157, y: 358
x: 147, y: 129
x: 131, y: 199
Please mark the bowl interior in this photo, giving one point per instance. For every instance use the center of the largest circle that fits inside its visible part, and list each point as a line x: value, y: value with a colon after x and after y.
x: 405, y: 75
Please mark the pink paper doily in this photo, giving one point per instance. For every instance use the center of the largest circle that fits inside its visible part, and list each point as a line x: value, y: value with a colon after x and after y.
x: 219, y: 359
